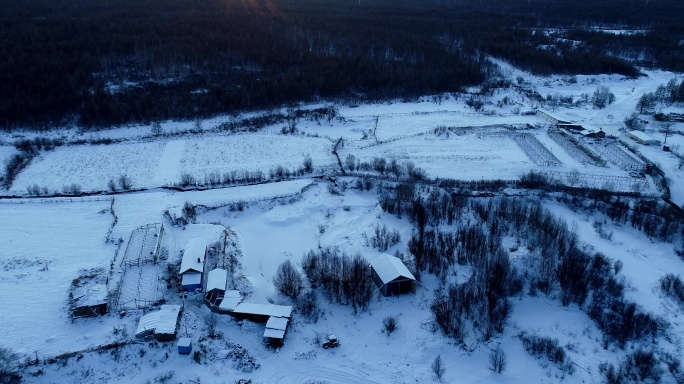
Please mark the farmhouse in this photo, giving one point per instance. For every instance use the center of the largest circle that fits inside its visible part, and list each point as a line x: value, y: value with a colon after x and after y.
x: 391, y: 275
x: 192, y: 265
x: 643, y: 138
x: 160, y: 325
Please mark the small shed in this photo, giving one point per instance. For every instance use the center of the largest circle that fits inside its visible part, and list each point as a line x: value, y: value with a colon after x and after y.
x: 391, y: 276
x: 160, y: 325
x: 192, y: 265
x: 88, y: 296
x: 184, y: 346
x: 216, y: 287
x: 275, y: 330
x: 217, y: 279
x: 643, y: 138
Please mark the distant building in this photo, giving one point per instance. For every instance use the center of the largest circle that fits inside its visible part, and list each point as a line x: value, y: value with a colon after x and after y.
x: 552, y: 119
x: 643, y: 138
x: 391, y: 276
x: 192, y: 265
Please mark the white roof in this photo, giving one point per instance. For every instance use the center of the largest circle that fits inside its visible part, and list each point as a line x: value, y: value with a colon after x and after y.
x: 264, y: 309
x: 194, y: 251
x: 641, y: 135
x: 162, y: 321
x: 389, y: 268
x: 231, y: 299
x: 191, y: 278
x: 277, y: 323
x: 274, y: 333
x: 216, y: 279
x: 184, y: 341
x: 90, y: 295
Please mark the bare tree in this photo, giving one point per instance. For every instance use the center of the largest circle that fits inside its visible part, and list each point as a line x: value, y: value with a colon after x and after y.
x: 497, y: 360
x: 157, y: 129
x: 602, y: 97
x: 438, y: 367
x: 288, y: 280
x: 308, y: 164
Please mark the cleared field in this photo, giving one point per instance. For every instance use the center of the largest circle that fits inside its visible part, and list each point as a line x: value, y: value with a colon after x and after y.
x: 464, y: 157
x: 48, y: 245
x: 91, y: 166
x: 252, y: 152
x: 155, y: 164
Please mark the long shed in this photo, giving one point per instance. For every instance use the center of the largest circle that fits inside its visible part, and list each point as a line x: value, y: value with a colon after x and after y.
x: 391, y: 276
x: 643, y: 138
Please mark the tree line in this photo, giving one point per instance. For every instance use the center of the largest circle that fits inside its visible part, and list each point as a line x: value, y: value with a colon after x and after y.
x: 99, y: 64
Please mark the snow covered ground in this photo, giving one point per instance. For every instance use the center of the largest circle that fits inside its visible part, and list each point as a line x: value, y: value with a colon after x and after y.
x: 49, y: 240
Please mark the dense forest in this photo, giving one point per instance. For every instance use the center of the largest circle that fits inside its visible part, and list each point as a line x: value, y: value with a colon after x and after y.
x: 99, y: 63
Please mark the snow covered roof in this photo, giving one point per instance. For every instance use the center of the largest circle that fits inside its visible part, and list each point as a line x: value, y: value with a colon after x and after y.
x: 641, y: 136
x: 162, y: 321
x: 277, y: 323
x: 193, y: 256
x: 231, y: 299
x: 389, y: 268
x: 263, y: 309
x: 217, y: 279
x: 184, y: 342
x: 274, y: 333
x: 191, y: 278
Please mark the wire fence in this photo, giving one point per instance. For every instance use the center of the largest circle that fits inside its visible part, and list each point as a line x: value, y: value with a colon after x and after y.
x: 535, y: 150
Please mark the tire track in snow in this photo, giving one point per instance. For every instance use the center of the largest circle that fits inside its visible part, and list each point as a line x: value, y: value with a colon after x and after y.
x: 168, y: 169
x: 300, y: 372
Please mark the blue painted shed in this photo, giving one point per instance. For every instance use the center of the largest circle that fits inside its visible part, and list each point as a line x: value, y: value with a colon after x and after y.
x: 184, y: 346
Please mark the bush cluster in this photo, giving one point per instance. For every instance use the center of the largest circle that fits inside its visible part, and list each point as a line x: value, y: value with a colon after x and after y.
x: 345, y: 279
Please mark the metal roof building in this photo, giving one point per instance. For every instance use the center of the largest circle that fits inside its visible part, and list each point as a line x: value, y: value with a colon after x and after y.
x: 391, y: 275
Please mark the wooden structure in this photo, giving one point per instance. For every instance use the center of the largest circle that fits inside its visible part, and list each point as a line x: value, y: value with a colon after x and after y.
x: 391, y: 276
x: 161, y: 325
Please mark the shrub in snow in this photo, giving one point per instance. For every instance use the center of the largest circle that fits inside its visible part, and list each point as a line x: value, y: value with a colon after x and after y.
x: 438, y: 368
x: 390, y: 324
x: 672, y: 286
x: 546, y: 347
x: 497, y: 359
x: 288, y: 280
x: 125, y: 182
x: 8, y: 366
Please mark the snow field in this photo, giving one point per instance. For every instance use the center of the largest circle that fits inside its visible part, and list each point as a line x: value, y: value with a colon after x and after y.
x: 155, y: 164
x: 48, y: 245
